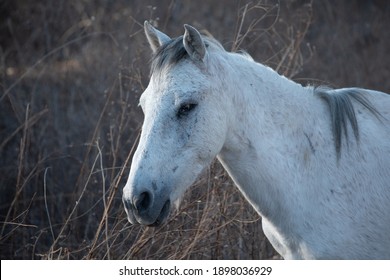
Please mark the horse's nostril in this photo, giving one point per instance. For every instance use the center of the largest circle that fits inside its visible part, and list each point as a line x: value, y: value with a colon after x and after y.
x: 142, y: 202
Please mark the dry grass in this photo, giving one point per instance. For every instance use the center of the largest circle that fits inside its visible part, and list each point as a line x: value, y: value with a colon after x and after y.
x: 71, y: 74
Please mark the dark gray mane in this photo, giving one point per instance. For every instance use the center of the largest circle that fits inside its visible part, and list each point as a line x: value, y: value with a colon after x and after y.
x: 342, y: 111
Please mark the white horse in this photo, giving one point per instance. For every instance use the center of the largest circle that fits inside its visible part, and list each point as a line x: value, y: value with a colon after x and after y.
x: 313, y: 162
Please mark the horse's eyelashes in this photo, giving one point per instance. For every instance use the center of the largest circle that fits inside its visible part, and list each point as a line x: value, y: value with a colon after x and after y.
x: 185, y: 109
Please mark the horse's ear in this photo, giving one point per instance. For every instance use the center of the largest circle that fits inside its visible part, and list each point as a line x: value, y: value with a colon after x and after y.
x: 193, y: 43
x: 155, y: 37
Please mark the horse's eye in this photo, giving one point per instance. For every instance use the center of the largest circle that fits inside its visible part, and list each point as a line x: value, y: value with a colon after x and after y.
x: 185, y: 109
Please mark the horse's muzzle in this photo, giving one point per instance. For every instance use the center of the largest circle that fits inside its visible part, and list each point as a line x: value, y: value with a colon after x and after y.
x: 143, y: 209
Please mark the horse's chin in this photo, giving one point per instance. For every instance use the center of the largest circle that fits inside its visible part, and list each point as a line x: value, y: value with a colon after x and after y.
x: 163, y: 215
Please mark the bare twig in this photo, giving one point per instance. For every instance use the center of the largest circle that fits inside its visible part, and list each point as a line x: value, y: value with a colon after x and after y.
x: 46, y: 207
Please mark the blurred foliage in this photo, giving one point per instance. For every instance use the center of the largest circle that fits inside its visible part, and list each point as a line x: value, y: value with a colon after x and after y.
x: 71, y: 73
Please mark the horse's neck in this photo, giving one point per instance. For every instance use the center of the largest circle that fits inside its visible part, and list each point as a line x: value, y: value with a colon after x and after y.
x: 268, y: 124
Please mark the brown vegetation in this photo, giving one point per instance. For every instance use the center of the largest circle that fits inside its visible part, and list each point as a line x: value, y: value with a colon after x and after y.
x: 71, y: 73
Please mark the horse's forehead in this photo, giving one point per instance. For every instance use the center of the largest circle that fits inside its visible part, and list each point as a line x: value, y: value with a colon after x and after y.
x: 179, y: 80
x: 165, y: 92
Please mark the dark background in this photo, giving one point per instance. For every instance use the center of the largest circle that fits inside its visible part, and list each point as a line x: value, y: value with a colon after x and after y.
x: 71, y: 73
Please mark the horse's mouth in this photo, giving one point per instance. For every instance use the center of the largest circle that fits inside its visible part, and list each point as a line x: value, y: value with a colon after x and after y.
x: 163, y: 215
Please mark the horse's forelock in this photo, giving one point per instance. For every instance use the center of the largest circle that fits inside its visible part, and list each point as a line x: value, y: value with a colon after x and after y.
x: 172, y: 52
x: 168, y: 54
